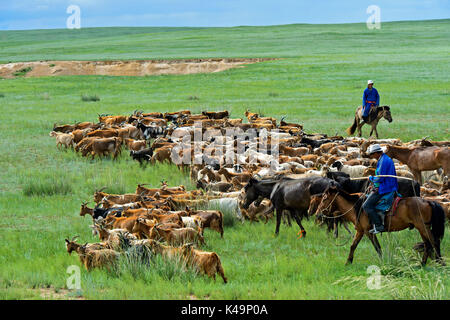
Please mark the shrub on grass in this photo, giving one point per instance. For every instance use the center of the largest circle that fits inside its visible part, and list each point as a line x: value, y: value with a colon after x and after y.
x: 2, y: 95
x: 22, y: 72
x: 88, y: 98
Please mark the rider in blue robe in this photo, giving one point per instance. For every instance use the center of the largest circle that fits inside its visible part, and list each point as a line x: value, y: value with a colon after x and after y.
x: 370, y: 98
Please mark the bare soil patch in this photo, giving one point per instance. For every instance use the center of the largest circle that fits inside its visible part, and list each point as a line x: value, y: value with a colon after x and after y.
x: 121, y: 67
x: 60, y: 294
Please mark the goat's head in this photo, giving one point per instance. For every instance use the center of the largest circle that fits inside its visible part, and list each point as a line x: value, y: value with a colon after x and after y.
x: 71, y: 245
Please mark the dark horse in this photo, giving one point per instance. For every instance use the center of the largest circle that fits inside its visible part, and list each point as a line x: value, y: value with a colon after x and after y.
x: 379, y: 112
x: 293, y: 195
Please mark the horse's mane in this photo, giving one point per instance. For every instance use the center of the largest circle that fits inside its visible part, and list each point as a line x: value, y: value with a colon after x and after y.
x: 348, y: 196
x: 356, y: 198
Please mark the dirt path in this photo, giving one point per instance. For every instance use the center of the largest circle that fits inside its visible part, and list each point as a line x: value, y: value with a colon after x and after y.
x: 120, y: 67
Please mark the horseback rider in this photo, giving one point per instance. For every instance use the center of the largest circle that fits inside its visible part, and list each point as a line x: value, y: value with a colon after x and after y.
x: 370, y: 98
x: 384, y: 187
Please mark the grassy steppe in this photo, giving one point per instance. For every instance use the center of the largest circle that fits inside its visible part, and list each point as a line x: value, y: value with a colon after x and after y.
x: 318, y: 82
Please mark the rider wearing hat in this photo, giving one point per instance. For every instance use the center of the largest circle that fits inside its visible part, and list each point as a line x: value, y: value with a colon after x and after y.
x: 383, y: 186
x: 370, y: 98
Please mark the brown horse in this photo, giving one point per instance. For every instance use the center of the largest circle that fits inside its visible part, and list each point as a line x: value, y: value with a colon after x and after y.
x: 381, y: 112
x: 427, y: 217
x: 421, y: 159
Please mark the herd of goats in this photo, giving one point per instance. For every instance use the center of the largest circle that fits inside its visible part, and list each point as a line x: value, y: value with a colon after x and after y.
x: 278, y: 168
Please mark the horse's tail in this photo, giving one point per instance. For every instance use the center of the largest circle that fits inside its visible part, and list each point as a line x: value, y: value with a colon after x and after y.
x: 351, y: 130
x: 437, y: 221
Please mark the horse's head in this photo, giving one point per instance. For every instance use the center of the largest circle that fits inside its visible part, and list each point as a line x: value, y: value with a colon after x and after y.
x: 251, y: 194
x: 387, y: 113
x: 314, y: 203
x: 327, y: 204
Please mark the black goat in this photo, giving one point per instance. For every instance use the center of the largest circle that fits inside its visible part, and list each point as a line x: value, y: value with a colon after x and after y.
x: 314, y: 143
x: 151, y: 131
x: 101, y: 212
x: 144, y: 154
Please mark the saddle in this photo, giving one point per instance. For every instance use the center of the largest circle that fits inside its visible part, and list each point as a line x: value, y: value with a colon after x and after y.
x: 394, y: 206
x: 390, y: 209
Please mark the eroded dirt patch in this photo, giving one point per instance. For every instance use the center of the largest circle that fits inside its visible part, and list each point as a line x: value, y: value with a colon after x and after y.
x: 60, y: 294
x: 120, y: 67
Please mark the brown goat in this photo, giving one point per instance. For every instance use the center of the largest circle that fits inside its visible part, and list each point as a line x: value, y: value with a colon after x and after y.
x: 206, y: 262
x: 176, y: 236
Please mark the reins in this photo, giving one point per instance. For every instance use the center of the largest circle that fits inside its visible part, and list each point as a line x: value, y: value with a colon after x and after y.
x: 341, y: 215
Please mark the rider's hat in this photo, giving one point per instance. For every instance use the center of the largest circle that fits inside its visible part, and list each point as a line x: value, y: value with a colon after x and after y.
x: 369, y: 82
x: 374, y: 148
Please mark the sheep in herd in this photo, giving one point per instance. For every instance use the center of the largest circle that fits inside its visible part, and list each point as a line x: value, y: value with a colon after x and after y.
x: 354, y: 171
x: 194, y: 223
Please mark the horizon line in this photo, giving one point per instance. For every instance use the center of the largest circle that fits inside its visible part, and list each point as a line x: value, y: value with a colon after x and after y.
x: 236, y: 26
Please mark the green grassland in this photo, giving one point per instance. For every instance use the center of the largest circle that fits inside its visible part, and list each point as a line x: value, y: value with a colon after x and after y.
x: 318, y: 81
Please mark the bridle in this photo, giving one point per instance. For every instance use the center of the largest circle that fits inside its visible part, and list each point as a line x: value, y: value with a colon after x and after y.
x: 329, y: 205
x: 327, y: 209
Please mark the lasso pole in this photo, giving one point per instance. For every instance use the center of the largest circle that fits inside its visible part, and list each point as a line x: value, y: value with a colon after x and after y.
x: 383, y: 176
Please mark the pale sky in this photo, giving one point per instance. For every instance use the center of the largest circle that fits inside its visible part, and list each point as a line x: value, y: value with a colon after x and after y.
x: 50, y: 14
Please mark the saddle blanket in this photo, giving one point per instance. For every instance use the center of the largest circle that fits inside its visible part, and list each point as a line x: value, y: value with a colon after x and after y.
x: 388, y: 201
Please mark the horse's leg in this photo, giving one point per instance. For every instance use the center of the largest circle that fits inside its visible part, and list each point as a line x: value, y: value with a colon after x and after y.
x: 375, y: 128
x: 346, y: 227
x: 358, y: 236
x: 376, y: 244
x: 288, y: 217
x: 359, y: 129
x: 425, y: 233
x: 299, y: 222
x: 417, y: 176
x: 371, y: 130
x: 336, y: 232
x: 279, y: 213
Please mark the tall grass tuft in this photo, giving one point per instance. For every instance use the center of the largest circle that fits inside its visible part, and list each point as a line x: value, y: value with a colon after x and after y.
x: 229, y: 217
x: 140, y: 263
x: 46, y: 186
x: 88, y: 98
x: 405, y: 278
